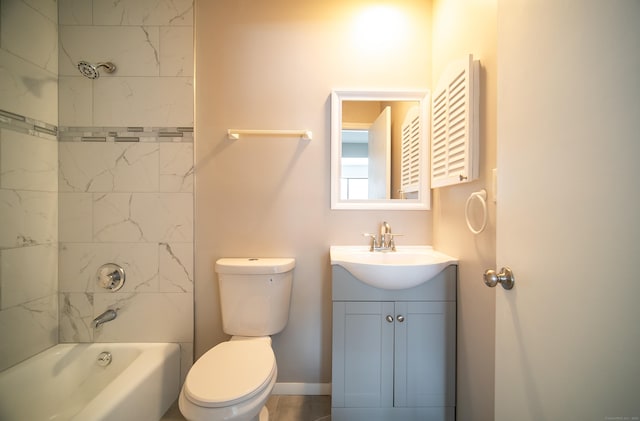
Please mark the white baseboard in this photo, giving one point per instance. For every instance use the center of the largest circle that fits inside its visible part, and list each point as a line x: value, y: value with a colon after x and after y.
x: 302, y: 389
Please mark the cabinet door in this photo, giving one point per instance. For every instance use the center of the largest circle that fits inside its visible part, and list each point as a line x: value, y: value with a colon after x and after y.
x: 362, y: 354
x: 425, y: 354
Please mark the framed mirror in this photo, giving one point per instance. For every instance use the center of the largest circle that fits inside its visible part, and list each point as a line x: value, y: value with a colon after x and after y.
x: 379, y: 150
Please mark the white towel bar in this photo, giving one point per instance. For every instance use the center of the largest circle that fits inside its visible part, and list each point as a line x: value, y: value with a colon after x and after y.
x: 234, y: 134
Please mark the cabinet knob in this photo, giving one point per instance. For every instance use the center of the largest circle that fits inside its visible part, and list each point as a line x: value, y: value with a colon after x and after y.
x: 400, y: 318
x: 389, y: 318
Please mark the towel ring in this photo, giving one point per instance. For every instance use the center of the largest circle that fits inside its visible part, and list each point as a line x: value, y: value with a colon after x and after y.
x: 482, y: 197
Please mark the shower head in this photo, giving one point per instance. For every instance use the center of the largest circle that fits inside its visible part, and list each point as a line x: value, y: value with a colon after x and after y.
x: 91, y: 71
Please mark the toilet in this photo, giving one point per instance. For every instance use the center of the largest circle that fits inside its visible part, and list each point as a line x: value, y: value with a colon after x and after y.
x: 233, y: 380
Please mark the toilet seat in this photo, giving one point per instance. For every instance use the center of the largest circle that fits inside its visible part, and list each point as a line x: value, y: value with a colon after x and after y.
x: 229, y: 373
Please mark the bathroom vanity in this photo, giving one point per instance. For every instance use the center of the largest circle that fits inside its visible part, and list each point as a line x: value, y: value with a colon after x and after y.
x: 394, y: 350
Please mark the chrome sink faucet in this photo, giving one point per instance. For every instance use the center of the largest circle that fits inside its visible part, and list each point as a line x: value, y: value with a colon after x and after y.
x: 105, y: 317
x: 385, y: 241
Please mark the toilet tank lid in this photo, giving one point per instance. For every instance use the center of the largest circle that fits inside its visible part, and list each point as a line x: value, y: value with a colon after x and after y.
x: 255, y: 265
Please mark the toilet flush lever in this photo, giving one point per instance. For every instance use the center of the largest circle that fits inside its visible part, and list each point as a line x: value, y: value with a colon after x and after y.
x: 505, y: 277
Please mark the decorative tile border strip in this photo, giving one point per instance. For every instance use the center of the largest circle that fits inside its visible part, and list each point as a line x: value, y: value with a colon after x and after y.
x: 125, y: 134
x: 30, y: 126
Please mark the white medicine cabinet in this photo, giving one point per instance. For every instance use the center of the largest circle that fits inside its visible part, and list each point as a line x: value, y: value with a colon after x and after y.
x: 436, y: 141
x: 454, y: 124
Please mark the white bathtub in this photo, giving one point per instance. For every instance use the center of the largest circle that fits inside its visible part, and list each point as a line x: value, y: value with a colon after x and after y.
x: 66, y: 383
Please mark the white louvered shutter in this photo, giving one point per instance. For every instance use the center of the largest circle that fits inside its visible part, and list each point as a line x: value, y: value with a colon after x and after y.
x: 454, y: 125
x: 411, y: 151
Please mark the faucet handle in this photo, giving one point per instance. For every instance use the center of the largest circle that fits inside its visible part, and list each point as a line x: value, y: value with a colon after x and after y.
x: 110, y: 276
x: 374, y: 240
x: 392, y: 243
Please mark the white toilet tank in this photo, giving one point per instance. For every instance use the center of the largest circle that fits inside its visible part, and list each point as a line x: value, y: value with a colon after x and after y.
x: 255, y: 294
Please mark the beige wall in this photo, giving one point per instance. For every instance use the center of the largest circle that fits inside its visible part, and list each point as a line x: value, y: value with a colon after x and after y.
x: 360, y: 112
x: 462, y: 27
x: 272, y: 65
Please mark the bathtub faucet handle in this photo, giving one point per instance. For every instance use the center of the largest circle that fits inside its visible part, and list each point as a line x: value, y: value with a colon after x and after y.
x: 111, y: 276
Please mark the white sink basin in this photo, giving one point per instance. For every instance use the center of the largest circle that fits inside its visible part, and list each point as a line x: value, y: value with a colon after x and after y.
x: 407, y: 267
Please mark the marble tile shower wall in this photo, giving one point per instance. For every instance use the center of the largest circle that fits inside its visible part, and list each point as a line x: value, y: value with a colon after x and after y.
x: 28, y: 179
x: 150, y: 42
x: 126, y: 170
x: 129, y: 203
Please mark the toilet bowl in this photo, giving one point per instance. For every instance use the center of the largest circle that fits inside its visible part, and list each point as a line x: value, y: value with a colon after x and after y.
x: 231, y: 381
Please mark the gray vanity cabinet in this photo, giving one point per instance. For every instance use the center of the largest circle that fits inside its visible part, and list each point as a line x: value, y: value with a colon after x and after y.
x: 393, y: 350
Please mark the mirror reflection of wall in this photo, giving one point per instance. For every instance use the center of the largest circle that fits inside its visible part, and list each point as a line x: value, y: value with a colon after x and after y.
x: 354, y: 182
x: 372, y: 150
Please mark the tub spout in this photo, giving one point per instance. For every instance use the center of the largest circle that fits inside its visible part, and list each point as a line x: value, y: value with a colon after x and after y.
x: 107, y: 316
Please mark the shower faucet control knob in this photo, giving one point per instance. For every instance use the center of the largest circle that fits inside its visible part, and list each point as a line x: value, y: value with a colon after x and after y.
x: 111, y: 276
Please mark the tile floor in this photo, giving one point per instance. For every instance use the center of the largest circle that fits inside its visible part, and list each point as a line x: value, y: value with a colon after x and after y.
x: 282, y: 408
